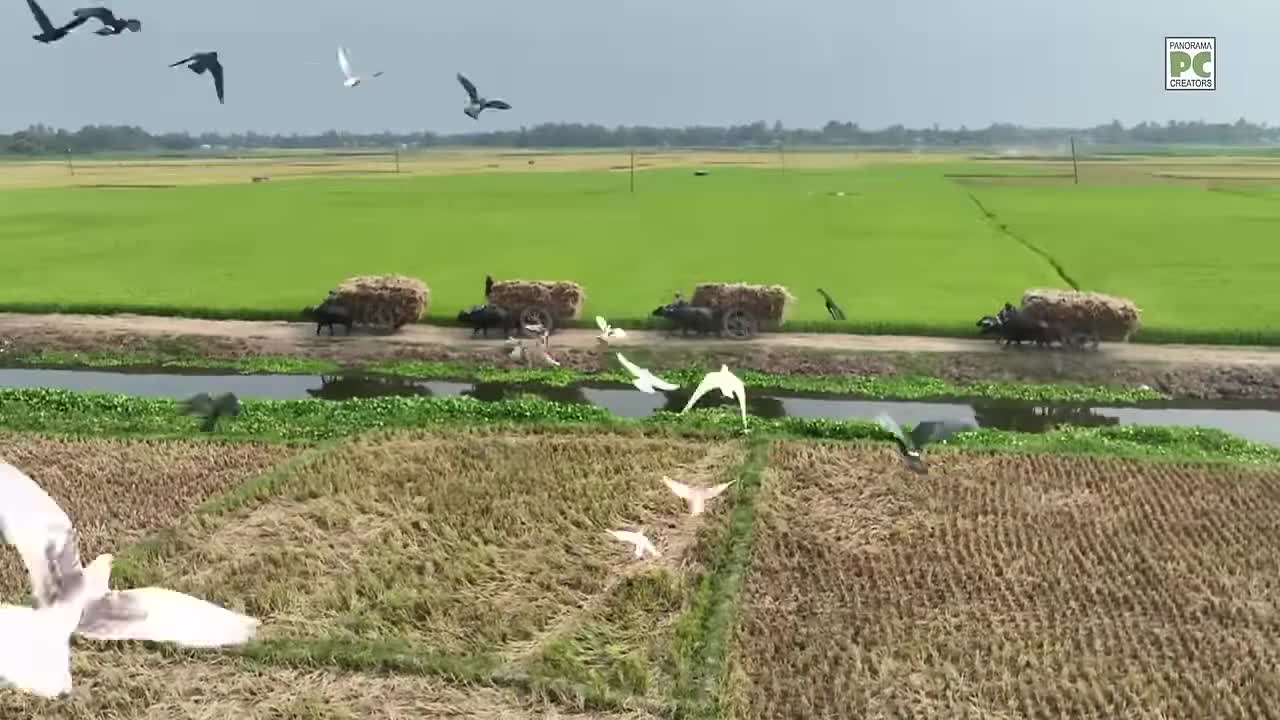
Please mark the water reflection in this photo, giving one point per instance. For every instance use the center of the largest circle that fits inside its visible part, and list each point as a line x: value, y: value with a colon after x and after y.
x: 1007, y: 415
x: 1258, y: 421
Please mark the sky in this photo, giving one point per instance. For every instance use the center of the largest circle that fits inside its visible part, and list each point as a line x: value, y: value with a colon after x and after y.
x: 637, y: 62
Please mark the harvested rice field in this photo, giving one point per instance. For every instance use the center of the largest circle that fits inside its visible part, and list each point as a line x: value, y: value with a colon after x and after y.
x: 118, y: 491
x: 1009, y: 587
x: 467, y: 573
x: 146, y: 685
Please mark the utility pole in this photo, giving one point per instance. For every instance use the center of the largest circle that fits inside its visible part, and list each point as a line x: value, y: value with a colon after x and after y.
x: 1075, y: 169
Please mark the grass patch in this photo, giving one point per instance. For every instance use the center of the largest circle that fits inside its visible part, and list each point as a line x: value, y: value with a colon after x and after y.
x: 63, y: 413
x: 454, y: 552
x: 702, y: 635
x: 246, y: 365
x: 1007, y: 586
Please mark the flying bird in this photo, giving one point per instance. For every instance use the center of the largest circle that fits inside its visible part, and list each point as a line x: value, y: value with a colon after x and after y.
x: 49, y: 33
x: 111, y: 25
x: 727, y: 383
x: 608, y: 332
x: 911, y: 445
x: 477, y: 103
x: 696, y: 497
x: 74, y: 598
x: 644, y: 380
x: 643, y: 546
x: 200, y: 62
x: 211, y: 408
x: 345, y: 64
x: 832, y: 308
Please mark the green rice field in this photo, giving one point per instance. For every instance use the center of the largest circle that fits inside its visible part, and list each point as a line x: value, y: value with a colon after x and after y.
x: 908, y: 248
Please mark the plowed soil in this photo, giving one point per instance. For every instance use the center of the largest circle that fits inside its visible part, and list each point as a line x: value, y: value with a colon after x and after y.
x: 1009, y: 587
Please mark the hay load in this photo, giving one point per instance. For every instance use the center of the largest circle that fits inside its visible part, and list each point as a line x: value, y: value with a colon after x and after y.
x: 384, y: 300
x: 1114, y: 319
x: 553, y: 302
x: 768, y: 304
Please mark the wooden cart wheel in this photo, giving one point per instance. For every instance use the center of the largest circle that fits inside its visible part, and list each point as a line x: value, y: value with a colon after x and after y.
x: 739, y: 324
x: 536, y: 315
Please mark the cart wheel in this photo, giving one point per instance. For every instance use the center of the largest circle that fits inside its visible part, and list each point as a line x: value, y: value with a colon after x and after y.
x: 536, y: 315
x: 739, y: 324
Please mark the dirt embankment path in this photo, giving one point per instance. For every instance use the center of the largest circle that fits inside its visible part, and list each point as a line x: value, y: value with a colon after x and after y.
x: 1193, y: 371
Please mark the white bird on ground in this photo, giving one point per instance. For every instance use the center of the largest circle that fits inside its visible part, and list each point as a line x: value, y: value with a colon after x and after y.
x: 644, y: 380
x: 696, y: 497
x: 74, y: 598
x: 608, y: 332
x: 637, y: 539
x: 345, y: 64
x: 727, y: 383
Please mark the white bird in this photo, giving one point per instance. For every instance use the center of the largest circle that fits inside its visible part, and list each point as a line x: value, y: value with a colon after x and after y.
x: 608, y: 332
x: 696, y: 497
x: 641, y: 543
x: 644, y: 380
x: 71, y: 597
x: 727, y: 383
x: 345, y: 64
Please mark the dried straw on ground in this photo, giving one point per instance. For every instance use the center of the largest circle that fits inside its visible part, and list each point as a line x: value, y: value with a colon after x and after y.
x: 385, y: 300
x: 563, y: 299
x: 767, y: 303
x: 1113, y: 319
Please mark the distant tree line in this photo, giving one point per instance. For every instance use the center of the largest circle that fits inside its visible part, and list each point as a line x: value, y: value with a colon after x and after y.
x: 44, y: 140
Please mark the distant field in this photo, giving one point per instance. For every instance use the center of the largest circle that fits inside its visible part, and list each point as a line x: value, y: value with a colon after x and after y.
x: 909, y: 247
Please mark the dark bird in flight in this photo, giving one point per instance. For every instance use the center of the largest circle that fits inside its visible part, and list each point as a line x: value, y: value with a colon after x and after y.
x: 911, y: 445
x: 211, y: 408
x: 478, y: 103
x: 832, y: 307
x: 49, y: 33
x: 205, y: 61
x: 111, y: 25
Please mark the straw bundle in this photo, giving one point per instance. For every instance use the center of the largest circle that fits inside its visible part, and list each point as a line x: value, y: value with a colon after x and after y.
x: 1112, y: 318
x: 384, y: 300
x: 564, y: 300
x: 767, y: 303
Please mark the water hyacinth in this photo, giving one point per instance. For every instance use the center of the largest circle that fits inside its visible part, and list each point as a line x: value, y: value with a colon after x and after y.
x: 67, y: 412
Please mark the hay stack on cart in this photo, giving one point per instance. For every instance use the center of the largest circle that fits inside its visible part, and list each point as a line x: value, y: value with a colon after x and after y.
x: 390, y: 301
x: 745, y: 309
x: 1106, y: 317
x: 539, y: 302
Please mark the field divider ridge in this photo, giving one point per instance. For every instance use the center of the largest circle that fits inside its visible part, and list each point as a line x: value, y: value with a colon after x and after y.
x: 1004, y: 230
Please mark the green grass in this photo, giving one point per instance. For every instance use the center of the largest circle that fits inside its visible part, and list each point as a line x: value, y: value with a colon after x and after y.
x: 1202, y: 265
x: 906, y: 251
x: 902, y: 388
x: 61, y: 412
x: 631, y: 252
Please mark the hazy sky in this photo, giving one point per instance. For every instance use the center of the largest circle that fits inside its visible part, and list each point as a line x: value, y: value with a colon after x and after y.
x: 657, y: 62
